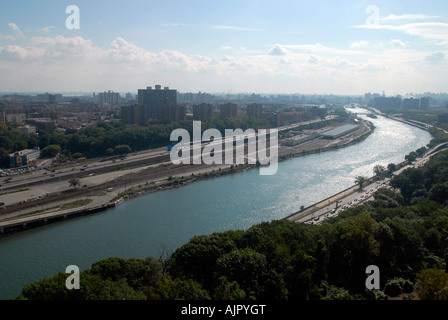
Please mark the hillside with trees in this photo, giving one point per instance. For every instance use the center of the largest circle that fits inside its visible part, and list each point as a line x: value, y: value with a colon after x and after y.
x: 403, y: 231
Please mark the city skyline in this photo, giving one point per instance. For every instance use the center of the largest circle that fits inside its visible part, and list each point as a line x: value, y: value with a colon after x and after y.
x: 319, y: 47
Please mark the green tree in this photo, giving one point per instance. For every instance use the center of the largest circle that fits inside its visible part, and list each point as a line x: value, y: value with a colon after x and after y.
x: 432, y: 284
x: 411, y: 157
x: 379, y: 171
x: 4, y: 156
x: 169, y: 289
x: 51, y: 151
x: 360, y: 247
x: 439, y: 192
x: 122, y: 149
x: 245, y: 266
x: 227, y: 290
x: 360, y: 181
x: 74, y: 183
x: 207, y: 249
x: 391, y: 168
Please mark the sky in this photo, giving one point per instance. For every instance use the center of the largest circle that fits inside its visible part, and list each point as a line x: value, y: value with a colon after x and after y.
x: 244, y: 46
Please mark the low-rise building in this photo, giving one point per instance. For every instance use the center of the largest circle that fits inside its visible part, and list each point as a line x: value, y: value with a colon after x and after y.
x: 24, y: 157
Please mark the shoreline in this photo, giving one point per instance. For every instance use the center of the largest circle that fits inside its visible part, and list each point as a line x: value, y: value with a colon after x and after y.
x: 239, y: 169
x: 171, y: 182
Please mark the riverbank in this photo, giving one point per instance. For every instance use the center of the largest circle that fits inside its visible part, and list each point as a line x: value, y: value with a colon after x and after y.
x: 284, y: 155
x: 155, y: 178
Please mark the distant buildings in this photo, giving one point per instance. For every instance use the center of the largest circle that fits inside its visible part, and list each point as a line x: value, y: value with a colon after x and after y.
x: 156, y: 104
x: 109, y: 97
x: 387, y: 102
x: 229, y: 110
x: 46, y: 125
x: 170, y: 112
x: 24, y: 157
x: 254, y: 110
x: 381, y: 102
x: 25, y: 130
x: 203, y: 111
x: 411, y: 103
x: 50, y: 98
x: 196, y: 98
x: 135, y: 114
x: 155, y: 99
x: 424, y: 103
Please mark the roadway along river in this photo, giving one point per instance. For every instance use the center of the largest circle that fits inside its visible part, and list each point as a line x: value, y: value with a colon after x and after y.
x: 161, y: 222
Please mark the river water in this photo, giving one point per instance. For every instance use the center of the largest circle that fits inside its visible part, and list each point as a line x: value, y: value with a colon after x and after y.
x: 156, y: 224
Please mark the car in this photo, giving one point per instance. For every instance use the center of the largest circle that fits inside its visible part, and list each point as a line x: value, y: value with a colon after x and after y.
x: 316, y: 219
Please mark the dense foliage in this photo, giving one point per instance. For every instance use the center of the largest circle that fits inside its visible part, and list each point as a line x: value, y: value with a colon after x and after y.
x: 404, y: 232
x: 109, y: 138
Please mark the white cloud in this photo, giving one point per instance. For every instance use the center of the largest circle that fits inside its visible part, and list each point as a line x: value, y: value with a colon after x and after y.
x: 277, y: 50
x: 47, y: 29
x: 18, y: 53
x: 313, y: 59
x: 177, y: 25
x: 235, y: 28
x: 7, y: 37
x: 16, y: 30
x: 427, y: 30
x: 435, y: 57
x: 319, y: 48
x: 406, y: 17
x: 359, y: 44
x: 397, y: 43
x: 225, y: 48
x: 74, y: 63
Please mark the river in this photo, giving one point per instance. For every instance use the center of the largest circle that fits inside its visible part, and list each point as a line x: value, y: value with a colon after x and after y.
x: 158, y: 223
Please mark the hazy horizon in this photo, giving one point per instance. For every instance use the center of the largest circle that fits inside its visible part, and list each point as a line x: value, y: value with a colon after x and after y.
x: 267, y: 47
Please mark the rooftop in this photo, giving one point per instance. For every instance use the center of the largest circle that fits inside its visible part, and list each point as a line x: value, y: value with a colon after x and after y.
x: 340, y: 130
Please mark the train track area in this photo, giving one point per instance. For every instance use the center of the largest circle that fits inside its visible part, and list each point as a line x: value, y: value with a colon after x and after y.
x: 140, y: 176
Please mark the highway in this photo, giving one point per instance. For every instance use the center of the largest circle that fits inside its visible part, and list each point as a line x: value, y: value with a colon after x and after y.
x: 353, y: 196
x: 82, y: 169
x: 336, y: 204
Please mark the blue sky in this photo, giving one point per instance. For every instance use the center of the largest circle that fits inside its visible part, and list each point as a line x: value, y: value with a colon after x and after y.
x: 323, y: 47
